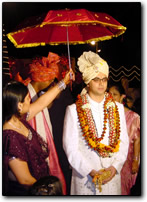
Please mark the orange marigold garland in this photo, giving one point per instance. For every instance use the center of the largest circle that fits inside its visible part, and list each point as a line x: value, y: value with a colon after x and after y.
x: 89, y: 130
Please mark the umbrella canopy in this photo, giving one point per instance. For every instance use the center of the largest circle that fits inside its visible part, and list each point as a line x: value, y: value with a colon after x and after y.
x: 77, y: 26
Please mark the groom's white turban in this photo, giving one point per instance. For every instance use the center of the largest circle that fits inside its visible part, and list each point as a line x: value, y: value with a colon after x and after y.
x: 90, y: 64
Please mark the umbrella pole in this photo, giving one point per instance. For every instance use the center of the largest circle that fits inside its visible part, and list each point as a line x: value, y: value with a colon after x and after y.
x: 96, y: 47
x: 68, y: 48
x: 69, y: 61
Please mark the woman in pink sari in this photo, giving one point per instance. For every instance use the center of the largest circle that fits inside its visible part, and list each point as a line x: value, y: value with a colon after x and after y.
x: 131, y: 166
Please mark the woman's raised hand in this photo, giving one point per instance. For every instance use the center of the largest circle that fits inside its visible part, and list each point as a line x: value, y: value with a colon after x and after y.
x: 70, y: 76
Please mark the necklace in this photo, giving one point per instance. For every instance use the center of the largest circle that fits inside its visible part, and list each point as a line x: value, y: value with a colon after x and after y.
x: 15, y: 126
x: 111, y: 115
x: 29, y: 134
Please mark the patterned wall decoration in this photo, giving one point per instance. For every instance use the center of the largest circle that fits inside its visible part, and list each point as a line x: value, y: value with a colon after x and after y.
x: 5, y: 58
x: 132, y: 74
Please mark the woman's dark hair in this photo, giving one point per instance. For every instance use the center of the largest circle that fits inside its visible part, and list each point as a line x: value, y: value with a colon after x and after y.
x: 121, y: 90
x: 46, y: 186
x: 13, y: 93
x: 118, y: 87
x: 125, y: 100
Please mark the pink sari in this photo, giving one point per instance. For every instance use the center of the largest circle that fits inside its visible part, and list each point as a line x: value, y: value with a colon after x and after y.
x: 133, y: 126
x: 41, y: 123
x: 54, y: 167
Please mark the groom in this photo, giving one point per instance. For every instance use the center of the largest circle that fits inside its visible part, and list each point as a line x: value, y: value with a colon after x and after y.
x: 95, y: 136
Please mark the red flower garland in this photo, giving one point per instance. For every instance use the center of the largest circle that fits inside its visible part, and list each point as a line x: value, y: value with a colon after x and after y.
x: 89, y: 129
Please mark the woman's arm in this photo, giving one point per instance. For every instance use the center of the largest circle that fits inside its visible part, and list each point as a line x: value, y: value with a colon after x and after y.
x: 21, y: 171
x: 136, y: 159
x: 44, y: 100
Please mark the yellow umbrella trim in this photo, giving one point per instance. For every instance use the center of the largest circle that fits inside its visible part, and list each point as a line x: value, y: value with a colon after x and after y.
x: 10, y: 36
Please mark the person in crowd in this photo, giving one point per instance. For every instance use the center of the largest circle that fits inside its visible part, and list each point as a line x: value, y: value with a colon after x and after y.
x: 41, y: 74
x: 133, y: 94
x: 131, y: 166
x: 129, y: 101
x: 57, y: 113
x: 24, y: 151
x: 137, y: 106
x: 125, y: 84
x: 95, y: 136
x: 46, y: 186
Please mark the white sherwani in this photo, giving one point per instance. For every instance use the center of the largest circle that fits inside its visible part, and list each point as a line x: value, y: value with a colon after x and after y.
x: 83, y: 159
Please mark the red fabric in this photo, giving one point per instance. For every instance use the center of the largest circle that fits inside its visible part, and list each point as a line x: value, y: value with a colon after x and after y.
x: 42, y: 69
x: 83, y: 26
x: 45, y: 70
x: 15, y: 145
x: 54, y: 166
x: 78, y: 15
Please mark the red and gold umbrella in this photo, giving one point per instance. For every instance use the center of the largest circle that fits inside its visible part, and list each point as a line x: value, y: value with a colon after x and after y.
x: 77, y: 26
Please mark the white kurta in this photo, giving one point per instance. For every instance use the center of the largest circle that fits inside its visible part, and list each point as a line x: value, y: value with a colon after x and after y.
x: 83, y: 159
